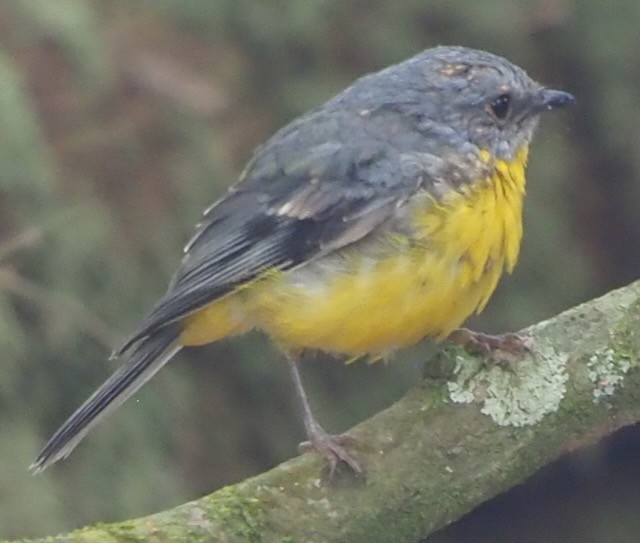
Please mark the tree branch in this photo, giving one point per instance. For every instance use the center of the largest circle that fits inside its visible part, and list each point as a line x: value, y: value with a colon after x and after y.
x: 446, y: 447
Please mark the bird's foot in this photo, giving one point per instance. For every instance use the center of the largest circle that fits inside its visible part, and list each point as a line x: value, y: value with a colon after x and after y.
x: 503, y: 348
x: 334, y: 449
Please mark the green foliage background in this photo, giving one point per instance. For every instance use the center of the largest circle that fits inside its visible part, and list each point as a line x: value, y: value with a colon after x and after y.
x: 120, y: 121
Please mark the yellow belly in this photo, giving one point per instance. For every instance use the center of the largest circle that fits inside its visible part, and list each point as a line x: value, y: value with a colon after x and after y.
x: 366, y: 301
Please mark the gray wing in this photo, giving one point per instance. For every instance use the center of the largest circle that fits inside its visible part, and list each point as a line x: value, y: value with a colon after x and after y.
x: 294, y: 203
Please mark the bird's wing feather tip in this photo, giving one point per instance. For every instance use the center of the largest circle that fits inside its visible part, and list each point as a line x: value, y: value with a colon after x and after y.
x: 37, y: 467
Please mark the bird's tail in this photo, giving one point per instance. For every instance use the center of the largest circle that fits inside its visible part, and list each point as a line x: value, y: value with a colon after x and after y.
x: 146, y: 358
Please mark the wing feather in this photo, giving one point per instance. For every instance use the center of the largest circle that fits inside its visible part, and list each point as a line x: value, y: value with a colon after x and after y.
x: 295, y: 204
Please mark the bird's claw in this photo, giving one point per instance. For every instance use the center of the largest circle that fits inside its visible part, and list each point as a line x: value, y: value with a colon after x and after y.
x: 503, y: 348
x: 334, y: 449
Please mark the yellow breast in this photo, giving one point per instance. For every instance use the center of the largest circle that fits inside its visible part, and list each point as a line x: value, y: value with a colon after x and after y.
x: 363, y: 302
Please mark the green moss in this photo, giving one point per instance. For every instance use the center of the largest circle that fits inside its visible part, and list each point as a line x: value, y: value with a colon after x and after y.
x: 128, y: 530
x: 608, y: 366
x: 240, y: 516
x: 227, y: 513
x: 625, y: 339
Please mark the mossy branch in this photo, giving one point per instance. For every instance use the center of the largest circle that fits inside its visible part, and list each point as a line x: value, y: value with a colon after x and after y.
x: 448, y: 446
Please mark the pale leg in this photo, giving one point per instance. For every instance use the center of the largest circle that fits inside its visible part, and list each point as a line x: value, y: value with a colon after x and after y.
x: 332, y: 447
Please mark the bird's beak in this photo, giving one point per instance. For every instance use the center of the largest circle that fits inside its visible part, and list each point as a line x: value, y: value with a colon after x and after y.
x: 549, y: 99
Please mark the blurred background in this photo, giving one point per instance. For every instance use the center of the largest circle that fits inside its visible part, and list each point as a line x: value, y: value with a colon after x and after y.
x: 121, y: 121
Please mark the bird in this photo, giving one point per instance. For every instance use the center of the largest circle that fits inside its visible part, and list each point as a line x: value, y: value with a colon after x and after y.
x: 383, y: 217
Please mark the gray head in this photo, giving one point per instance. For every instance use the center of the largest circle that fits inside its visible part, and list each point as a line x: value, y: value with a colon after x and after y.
x: 464, y: 97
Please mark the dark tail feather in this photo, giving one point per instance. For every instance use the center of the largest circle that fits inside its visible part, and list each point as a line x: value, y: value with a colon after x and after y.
x: 145, y: 360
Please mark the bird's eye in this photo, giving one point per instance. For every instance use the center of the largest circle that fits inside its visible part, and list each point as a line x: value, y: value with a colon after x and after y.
x: 501, y: 106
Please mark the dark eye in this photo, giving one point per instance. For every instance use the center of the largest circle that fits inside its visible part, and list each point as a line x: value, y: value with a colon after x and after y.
x: 501, y: 106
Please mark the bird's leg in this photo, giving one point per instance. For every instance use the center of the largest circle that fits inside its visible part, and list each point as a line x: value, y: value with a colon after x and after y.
x: 332, y: 447
x: 493, y: 347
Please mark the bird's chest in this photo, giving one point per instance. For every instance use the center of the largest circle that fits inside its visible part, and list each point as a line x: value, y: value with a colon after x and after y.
x: 371, y: 301
x: 464, y: 244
